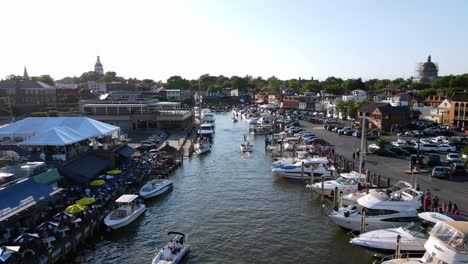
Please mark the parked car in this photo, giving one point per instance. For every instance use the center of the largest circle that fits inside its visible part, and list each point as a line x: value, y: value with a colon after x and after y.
x: 452, y: 157
x: 372, y: 136
x: 349, y: 132
x: 440, y: 172
x: 344, y: 130
x: 434, y: 160
x: 458, y: 169
x: 385, y: 153
x: 409, y: 134
x: 447, y: 148
x: 428, y: 147
x: 398, y: 151
x: 410, y: 149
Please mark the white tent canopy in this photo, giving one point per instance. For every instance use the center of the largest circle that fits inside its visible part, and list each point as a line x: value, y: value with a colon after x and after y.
x: 57, y: 136
x: 67, y: 128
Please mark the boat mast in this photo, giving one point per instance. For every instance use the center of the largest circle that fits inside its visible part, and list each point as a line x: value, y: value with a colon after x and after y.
x: 362, y: 143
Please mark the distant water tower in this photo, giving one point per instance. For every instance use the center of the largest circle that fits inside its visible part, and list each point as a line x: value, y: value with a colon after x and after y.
x: 427, y: 72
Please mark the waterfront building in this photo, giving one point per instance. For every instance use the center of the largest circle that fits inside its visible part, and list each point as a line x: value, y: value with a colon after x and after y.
x: 384, y: 116
x: 459, y: 109
x: 427, y: 72
x: 28, y: 95
x: 134, y: 115
x: 98, y: 68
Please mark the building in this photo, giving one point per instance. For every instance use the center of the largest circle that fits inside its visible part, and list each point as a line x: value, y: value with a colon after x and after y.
x: 384, y: 116
x: 275, y: 99
x: 290, y: 102
x: 356, y: 95
x: 398, y: 99
x: 97, y: 87
x: 98, y: 67
x: 184, y: 94
x: 458, y: 110
x: 261, y: 98
x: 135, y: 115
x: 173, y: 94
x: 427, y: 72
x: 237, y: 92
x: 434, y: 100
x: 28, y: 95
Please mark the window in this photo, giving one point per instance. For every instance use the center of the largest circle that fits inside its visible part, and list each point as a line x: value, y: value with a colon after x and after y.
x: 400, y: 219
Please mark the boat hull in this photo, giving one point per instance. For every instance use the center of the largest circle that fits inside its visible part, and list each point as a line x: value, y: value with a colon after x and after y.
x: 353, y: 222
x: 116, y: 224
x: 176, y: 259
x: 157, y: 192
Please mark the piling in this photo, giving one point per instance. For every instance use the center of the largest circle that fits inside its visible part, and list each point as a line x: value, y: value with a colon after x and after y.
x: 322, y: 191
x: 363, y: 221
x: 302, y: 171
x: 398, y: 247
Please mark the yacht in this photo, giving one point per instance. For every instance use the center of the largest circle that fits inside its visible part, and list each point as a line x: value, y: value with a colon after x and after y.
x: 206, y: 131
x: 447, y: 243
x: 379, y: 210
x: 412, y: 236
x: 295, y: 171
x: 301, y: 157
x: 167, y: 255
x: 352, y: 198
x: 346, y: 183
x: 155, y: 188
x: 209, y: 118
x: 127, y: 211
x: 202, y: 146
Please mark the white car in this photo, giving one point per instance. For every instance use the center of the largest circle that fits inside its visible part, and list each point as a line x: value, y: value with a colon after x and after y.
x: 447, y: 148
x: 429, y: 147
x: 373, y: 146
x: 453, y: 157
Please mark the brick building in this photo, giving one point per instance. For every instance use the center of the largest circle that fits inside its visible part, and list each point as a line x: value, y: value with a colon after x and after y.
x: 384, y: 116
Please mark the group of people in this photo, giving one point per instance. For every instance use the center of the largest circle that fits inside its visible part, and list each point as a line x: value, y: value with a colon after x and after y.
x: 445, y: 208
x: 172, y: 247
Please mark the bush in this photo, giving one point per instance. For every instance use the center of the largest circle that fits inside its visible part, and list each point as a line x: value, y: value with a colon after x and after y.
x: 52, y: 113
x: 381, y: 142
x: 39, y: 114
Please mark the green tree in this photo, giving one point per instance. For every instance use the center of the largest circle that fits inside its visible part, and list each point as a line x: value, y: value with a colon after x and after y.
x: 274, y: 84
x: 177, y: 82
x: 45, y: 78
x: 312, y: 86
x: 381, y: 142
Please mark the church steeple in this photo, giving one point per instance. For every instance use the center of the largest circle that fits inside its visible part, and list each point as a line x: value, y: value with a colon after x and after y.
x: 98, y: 66
x: 25, y: 74
x: 429, y: 58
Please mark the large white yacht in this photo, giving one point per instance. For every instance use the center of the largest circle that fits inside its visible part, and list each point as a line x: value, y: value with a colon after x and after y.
x: 128, y: 210
x: 412, y: 236
x: 352, y: 198
x: 447, y: 243
x: 206, y: 131
x: 380, y: 210
x: 346, y: 183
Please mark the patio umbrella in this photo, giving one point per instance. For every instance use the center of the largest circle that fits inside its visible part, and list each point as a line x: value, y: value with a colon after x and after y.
x: 75, y: 208
x: 47, y: 225
x: 86, y: 201
x: 7, y: 251
x: 97, y: 183
x: 114, y: 172
x: 26, y: 238
x: 61, y: 217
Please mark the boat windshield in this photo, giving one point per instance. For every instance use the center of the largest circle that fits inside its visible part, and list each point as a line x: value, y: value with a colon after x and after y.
x: 451, y: 237
x: 341, y: 180
x: 417, y: 229
x: 350, y: 181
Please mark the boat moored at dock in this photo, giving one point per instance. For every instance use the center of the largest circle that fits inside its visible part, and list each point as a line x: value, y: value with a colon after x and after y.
x: 128, y: 210
x: 155, y: 188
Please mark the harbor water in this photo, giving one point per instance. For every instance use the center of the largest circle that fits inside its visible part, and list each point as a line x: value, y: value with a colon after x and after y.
x: 235, y: 211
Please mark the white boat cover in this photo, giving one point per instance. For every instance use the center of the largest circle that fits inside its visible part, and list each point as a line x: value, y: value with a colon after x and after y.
x: 67, y: 129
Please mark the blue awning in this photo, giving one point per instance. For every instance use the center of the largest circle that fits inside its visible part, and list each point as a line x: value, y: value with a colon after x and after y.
x: 86, y: 168
x: 126, y: 151
x: 21, y: 195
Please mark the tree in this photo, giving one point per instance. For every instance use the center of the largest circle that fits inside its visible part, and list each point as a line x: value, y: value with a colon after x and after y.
x: 45, y: 78
x: 274, y: 84
x: 177, y: 82
x: 381, y: 142
x: 312, y: 86
x: 13, y: 77
x: 71, y: 99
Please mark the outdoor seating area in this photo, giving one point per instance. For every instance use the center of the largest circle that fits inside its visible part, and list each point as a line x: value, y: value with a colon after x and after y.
x: 77, y: 212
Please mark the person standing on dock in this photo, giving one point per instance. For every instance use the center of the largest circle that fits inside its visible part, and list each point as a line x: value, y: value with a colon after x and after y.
x: 354, y: 155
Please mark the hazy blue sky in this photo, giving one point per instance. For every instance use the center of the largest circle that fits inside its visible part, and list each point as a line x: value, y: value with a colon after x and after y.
x: 288, y: 39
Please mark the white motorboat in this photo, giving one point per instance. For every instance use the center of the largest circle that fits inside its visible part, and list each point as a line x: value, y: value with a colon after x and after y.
x: 380, y: 210
x: 206, y: 131
x: 202, y: 146
x: 301, y: 158
x: 246, y: 146
x: 352, y: 198
x: 208, y: 118
x: 128, y: 210
x: 346, y: 183
x: 447, y: 243
x: 155, y: 188
x: 412, y: 236
x: 174, y: 251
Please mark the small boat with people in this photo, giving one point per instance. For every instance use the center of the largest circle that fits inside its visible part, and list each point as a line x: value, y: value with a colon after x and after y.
x: 155, y: 188
x: 246, y: 146
x: 202, y: 146
x: 174, y: 250
x: 447, y: 243
x: 127, y: 211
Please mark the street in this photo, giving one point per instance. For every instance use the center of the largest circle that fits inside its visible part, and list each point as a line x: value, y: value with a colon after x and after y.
x: 448, y: 190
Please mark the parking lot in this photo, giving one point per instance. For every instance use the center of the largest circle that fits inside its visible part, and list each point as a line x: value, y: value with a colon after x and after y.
x: 451, y: 188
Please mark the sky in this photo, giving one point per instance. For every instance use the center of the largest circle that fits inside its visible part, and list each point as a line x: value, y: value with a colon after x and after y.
x: 283, y: 38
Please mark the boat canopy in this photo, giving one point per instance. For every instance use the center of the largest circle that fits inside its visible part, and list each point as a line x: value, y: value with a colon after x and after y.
x: 126, y: 198
x: 452, y: 233
x: 352, y: 174
x: 434, y: 217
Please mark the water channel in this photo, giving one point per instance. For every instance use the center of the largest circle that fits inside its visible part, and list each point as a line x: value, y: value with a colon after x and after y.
x: 235, y: 211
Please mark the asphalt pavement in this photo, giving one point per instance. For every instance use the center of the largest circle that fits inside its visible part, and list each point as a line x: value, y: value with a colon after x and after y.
x: 454, y: 189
